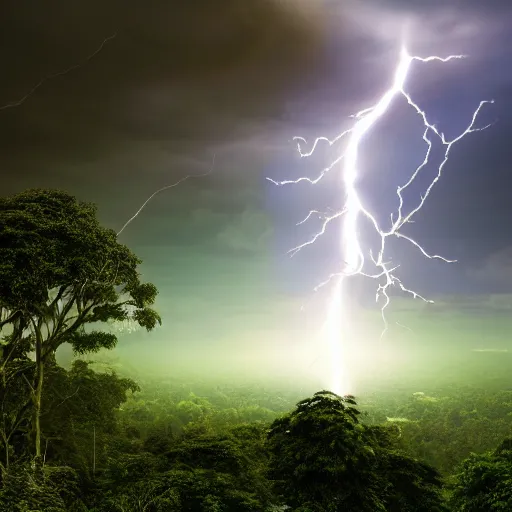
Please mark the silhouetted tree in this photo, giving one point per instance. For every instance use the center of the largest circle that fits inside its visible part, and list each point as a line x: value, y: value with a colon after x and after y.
x: 61, y: 271
x: 323, y: 459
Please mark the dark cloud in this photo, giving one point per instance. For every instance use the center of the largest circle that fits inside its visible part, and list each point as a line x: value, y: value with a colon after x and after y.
x: 184, y: 75
x: 176, y: 72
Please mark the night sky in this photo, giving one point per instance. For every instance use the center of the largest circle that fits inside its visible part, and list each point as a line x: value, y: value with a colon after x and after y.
x: 178, y: 83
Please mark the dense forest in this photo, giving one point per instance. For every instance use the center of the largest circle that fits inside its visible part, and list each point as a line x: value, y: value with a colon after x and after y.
x: 87, y: 435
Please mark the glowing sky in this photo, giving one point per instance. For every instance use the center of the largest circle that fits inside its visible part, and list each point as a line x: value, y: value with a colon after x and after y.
x: 179, y: 84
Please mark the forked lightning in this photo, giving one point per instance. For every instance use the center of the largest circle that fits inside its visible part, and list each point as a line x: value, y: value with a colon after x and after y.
x: 354, y: 255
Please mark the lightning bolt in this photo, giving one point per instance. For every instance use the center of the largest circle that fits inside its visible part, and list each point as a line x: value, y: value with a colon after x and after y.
x: 166, y: 187
x: 355, y: 256
x: 38, y: 85
x: 128, y: 325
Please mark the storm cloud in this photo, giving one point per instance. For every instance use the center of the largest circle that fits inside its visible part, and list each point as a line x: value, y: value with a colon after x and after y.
x: 189, y: 73
x: 182, y: 82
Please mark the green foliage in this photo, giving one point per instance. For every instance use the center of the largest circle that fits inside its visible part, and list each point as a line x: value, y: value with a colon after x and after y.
x: 49, y: 238
x: 446, y: 428
x: 60, y: 272
x: 87, y: 342
x: 203, y: 490
x: 53, y: 491
x: 413, y: 486
x: 321, y: 456
x: 52, y: 242
x: 167, y: 448
x: 216, y: 472
x: 193, y: 490
x: 484, y: 482
x: 79, y: 415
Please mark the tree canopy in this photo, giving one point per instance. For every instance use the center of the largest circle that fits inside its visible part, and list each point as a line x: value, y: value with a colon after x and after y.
x: 61, y: 273
x: 61, y: 268
x: 484, y: 482
x: 323, y: 458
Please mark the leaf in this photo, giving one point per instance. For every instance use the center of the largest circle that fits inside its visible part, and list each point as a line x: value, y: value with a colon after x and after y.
x: 86, y: 342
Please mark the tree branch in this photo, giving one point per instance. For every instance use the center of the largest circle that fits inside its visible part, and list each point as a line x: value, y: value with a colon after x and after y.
x: 10, y: 319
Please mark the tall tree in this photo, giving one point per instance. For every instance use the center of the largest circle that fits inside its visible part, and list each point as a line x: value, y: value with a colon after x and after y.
x: 484, y: 482
x: 61, y: 273
x: 323, y: 459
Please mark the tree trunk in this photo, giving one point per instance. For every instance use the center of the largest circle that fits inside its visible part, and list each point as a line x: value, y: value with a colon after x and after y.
x: 37, y: 394
x: 5, y: 440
